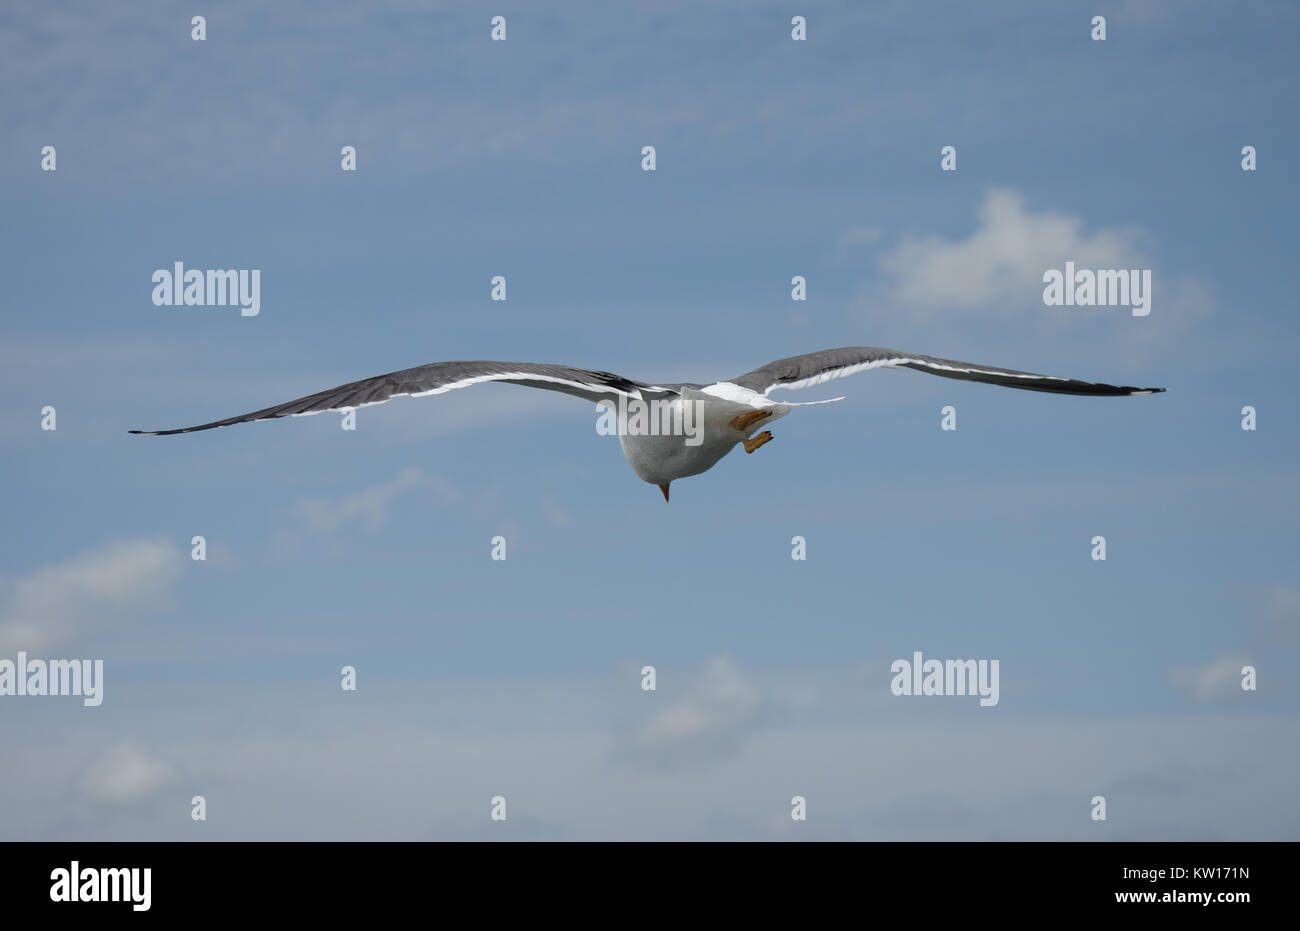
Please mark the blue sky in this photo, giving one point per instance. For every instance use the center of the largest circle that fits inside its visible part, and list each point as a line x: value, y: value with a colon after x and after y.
x: 775, y: 158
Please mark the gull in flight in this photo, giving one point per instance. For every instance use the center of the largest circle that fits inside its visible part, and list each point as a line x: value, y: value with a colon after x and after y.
x: 725, y: 414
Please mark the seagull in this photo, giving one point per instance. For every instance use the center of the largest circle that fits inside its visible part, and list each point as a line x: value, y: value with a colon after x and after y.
x: 698, y: 423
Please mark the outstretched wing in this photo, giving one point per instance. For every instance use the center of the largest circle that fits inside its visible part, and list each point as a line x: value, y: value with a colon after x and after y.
x: 817, y: 367
x: 439, y: 377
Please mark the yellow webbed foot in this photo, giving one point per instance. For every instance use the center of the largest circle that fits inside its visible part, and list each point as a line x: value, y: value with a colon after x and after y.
x: 743, y: 422
x: 755, y: 442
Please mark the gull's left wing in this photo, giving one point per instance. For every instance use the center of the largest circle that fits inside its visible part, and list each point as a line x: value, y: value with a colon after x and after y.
x: 817, y: 367
x: 439, y: 377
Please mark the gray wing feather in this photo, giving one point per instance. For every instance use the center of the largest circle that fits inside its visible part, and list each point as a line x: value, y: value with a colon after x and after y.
x: 438, y: 377
x: 816, y: 367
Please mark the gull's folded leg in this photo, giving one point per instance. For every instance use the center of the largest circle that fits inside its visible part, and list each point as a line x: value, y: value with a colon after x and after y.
x: 755, y: 442
x: 743, y: 422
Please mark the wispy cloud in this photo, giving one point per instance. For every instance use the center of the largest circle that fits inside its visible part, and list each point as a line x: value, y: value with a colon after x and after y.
x: 1000, y: 265
x: 372, y: 506
x: 59, y: 603
x: 124, y: 774
x: 707, y: 721
x: 1216, y: 681
x: 1015, y: 777
x: 993, y: 277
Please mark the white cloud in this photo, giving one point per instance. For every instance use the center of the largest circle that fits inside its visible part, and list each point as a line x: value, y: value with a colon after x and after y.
x: 1000, y: 265
x: 708, y: 719
x: 124, y: 774
x: 371, y: 506
x: 272, y: 756
x: 58, y: 603
x: 1215, y: 681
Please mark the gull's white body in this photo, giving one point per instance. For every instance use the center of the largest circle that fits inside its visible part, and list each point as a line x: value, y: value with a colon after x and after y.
x: 660, y: 459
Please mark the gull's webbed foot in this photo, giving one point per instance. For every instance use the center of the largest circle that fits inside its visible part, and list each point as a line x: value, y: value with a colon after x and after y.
x: 755, y: 442
x: 743, y: 422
